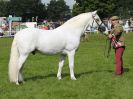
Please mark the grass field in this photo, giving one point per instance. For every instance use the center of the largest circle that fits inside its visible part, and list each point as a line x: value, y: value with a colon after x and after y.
x: 94, y: 72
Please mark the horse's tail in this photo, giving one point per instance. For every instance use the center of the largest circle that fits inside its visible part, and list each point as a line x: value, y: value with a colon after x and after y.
x: 13, y: 62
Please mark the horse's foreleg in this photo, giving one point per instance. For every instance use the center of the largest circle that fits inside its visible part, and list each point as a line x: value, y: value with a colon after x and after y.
x: 71, y: 64
x: 61, y: 63
x: 21, y: 61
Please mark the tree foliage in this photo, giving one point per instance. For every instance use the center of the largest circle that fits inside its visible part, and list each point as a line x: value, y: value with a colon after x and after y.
x: 24, y: 8
x: 27, y: 8
x: 4, y: 7
x: 58, y: 10
x: 105, y: 7
x: 125, y: 8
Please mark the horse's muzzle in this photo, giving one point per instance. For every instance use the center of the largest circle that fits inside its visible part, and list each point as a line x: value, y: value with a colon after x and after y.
x: 101, y: 29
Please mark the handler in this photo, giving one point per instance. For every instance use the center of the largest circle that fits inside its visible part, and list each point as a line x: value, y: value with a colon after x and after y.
x: 117, y: 37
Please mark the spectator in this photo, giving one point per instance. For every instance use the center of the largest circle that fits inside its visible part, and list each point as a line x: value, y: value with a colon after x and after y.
x: 1, y: 32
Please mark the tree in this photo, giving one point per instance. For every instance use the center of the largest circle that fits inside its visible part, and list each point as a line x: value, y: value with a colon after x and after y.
x: 125, y: 8
x: 4, y: 7
x: 51, y: 9
x: 76, y: 9
x: 27, y: 8
x: 105, y: 7
x: 57, y: 10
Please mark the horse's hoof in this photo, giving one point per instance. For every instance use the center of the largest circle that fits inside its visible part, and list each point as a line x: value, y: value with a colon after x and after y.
x: 17, y: 83
x: 21, y: 82
x: 59, y: 78
x: 73, y: 78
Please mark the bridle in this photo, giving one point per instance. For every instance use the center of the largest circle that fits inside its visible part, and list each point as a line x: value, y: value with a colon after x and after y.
x: 100, y: 27
x: 96, y: 21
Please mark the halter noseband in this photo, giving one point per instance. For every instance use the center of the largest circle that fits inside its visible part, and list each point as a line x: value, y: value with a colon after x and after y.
x: 100, y: 27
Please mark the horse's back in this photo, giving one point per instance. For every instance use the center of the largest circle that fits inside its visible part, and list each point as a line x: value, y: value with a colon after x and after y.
x: 26, y: 32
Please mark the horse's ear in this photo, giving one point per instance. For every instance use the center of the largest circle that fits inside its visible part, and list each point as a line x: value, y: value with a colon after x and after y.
x: 94, y: 12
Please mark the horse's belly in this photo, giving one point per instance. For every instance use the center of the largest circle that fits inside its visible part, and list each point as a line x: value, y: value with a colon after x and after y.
x: 51, y: 44
x: 51, y: 47
x: 51, y: 50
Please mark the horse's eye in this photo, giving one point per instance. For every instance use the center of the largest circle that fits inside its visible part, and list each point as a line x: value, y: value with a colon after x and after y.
x: 97, y: 20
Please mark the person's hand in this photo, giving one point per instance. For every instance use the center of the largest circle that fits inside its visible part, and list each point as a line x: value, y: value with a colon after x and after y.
x: 110, y: 36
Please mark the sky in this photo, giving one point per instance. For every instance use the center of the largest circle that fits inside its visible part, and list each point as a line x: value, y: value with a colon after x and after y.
x: 68, y: 2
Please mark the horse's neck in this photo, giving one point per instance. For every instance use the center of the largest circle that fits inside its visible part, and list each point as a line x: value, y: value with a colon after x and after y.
x: 78, y: 27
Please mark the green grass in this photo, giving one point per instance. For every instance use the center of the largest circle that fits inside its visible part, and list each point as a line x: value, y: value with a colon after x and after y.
x: 94, y: 72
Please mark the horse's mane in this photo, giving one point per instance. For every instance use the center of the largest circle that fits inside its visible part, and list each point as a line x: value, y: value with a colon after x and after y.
x: 75, y: 18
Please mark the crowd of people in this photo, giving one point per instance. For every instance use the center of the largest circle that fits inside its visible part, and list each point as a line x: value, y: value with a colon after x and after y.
x: 46, y: 25
x: 129, y: 25
x: 49, y: 25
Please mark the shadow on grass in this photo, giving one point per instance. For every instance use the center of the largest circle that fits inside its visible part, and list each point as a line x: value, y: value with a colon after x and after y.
x: 91, y: 72
x: 45, y: 77
x: 67, y: 74
x: 40, y: 77
x: 126, y: 69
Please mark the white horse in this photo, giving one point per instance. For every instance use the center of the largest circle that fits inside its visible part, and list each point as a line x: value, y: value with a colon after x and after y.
x: 64, y: 39
x: 126, y: 27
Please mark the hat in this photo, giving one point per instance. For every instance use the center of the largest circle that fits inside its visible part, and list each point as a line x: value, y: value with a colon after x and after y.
x: 114, y: 18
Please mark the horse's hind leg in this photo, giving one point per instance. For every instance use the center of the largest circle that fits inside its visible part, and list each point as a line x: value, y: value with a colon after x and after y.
x: 61, y: 63
x: 21, y: 61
